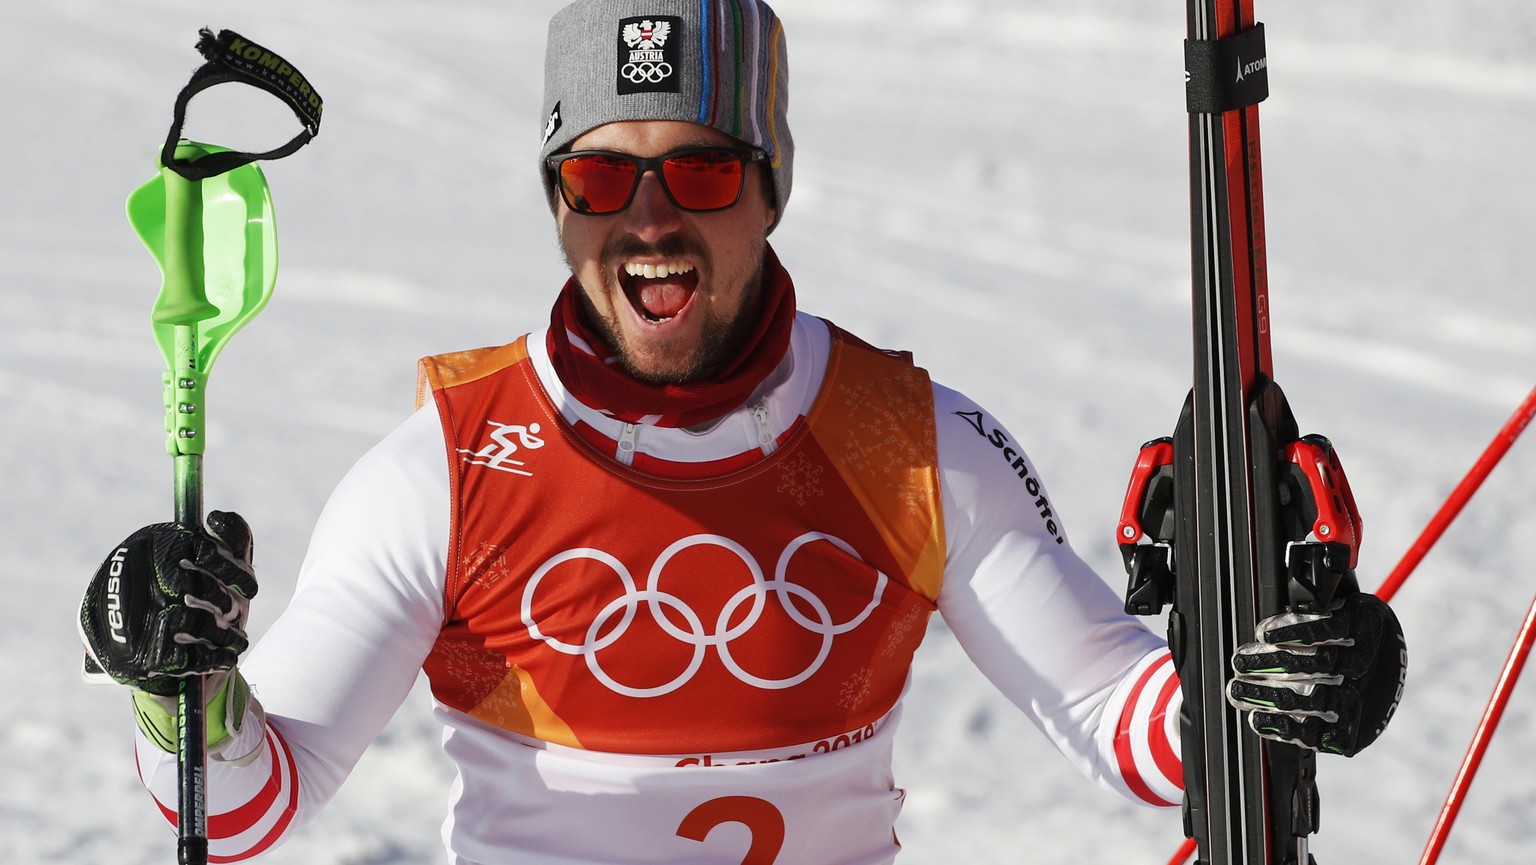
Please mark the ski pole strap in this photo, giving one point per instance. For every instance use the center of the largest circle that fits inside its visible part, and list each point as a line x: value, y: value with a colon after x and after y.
x: 1226, y: 74
x: 232, y: 57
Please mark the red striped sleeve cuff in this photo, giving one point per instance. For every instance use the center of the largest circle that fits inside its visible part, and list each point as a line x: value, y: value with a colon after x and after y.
x: 1146, y: 742
x: 259, y: 823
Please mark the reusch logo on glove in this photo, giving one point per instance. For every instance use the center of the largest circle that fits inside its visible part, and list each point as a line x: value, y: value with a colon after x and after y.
x: 1402, y: 682
x: 650, y: 51
x: 114, y: 595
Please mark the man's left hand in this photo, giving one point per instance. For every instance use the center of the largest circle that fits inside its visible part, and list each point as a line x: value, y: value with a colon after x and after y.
x: 1325, y: 681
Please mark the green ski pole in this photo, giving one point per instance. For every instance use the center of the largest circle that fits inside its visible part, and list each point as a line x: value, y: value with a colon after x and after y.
x: 215, y: 241
x: 185, y: 306
x: 207, y: 219
x: 182, y: 306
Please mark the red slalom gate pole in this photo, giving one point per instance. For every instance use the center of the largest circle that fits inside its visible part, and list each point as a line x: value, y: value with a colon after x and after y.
x: 1458, y: 499
x: 1502, y: 442
x: 1518, y: 654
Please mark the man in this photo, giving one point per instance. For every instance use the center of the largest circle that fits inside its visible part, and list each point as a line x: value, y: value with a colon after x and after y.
x: 666, y: 562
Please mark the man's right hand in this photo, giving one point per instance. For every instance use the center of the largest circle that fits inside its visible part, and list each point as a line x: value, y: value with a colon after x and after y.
x: 170, y: 601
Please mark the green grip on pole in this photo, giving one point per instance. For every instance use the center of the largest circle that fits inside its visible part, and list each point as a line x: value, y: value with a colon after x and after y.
x: 182, y: 300
x: 216, y: 243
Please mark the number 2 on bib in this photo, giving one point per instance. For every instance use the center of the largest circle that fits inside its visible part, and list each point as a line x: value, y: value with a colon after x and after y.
x: 761, y: 818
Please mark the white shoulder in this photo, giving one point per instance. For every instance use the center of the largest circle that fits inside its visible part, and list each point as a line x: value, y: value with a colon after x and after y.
x: 391, y: 510
x: 986, y: 474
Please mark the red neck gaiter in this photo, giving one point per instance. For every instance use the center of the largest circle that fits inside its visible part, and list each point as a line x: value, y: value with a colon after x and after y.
x: 600, y: 382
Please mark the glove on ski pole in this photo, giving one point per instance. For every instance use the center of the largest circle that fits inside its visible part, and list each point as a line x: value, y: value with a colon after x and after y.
x: 170, y: 601
x: 1329, y: 681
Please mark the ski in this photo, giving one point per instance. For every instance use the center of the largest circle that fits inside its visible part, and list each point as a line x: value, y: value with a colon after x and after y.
x: 1235, y: 517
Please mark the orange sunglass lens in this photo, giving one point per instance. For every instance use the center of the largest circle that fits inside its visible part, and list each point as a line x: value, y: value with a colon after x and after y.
x: 703, y: 181
x: 597, y: 184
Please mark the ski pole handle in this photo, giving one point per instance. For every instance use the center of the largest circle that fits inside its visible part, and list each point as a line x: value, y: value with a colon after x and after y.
x: 184, y: 300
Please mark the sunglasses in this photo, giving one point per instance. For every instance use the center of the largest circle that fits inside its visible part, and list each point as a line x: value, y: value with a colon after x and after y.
x: 696, y: 179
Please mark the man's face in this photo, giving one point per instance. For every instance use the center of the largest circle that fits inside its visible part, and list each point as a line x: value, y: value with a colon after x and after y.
x: 689, y: 322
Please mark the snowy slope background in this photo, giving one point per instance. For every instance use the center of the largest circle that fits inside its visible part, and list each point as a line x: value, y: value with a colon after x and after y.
x: 999, y: 185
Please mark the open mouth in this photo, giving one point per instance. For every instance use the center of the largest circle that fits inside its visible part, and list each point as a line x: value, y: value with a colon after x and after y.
x: 659, y: 291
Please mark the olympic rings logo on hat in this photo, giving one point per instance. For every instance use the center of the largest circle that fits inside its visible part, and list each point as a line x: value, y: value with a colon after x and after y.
x: 654, y: 73
x: 696, y: 634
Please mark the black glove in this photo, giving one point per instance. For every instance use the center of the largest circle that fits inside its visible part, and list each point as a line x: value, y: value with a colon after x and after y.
x: 170, y: 601
x: 1325, y: 681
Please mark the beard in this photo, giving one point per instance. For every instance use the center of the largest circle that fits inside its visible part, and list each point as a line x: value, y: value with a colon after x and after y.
x: 722, y: 335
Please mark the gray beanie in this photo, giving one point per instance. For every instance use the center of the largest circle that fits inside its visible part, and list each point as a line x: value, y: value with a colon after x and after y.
x: 719, y: 63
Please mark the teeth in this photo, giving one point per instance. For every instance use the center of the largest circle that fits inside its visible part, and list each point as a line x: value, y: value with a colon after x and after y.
x: 658, y: 271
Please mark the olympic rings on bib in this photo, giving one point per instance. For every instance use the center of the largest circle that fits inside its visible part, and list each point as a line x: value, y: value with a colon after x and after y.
x: 655, y: 73
x: 613, y: 621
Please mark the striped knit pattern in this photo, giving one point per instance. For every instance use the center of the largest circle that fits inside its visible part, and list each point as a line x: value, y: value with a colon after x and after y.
x: 741, y: 44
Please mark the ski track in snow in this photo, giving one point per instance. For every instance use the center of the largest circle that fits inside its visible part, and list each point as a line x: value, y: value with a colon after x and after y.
x: 1000, y: 186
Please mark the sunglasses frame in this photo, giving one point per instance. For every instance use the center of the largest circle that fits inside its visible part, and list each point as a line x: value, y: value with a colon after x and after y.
x: 644, y: 164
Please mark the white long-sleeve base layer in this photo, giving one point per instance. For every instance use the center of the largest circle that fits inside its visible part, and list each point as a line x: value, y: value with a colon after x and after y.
x: 369, y: 604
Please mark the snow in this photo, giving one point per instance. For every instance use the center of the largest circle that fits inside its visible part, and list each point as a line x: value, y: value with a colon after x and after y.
x: 999, y: 186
